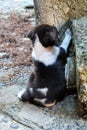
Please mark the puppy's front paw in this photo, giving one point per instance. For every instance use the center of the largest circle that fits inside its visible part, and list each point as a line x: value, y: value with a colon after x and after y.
x: 20, y: 93
x: 68, y: 32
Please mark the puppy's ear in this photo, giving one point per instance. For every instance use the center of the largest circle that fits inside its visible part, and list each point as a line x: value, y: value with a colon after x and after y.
x: 31, y: 35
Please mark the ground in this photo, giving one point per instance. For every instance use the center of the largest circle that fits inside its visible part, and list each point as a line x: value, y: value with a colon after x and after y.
x: 15, y: 67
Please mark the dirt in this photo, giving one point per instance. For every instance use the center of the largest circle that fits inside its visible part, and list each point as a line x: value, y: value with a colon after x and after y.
x: 15, y: 46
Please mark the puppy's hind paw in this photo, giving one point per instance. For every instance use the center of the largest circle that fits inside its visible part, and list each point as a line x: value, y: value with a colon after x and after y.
x: 20, y: 93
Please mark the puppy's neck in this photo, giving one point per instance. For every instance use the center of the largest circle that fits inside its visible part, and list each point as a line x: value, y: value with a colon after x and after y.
x: 49, y: 48
x: 47, y: 56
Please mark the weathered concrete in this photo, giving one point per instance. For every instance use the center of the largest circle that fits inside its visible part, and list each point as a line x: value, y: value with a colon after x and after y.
x: 80, y: 41
x: 7, y: 123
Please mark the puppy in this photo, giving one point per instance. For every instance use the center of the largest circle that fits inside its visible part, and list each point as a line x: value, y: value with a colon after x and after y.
x: 47, y: 83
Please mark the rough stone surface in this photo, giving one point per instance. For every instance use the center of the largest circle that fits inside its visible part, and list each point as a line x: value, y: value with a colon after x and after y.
x: 80, y: 41
x: 70, y: 73
x: 62, y: 116
x: 7, y: 123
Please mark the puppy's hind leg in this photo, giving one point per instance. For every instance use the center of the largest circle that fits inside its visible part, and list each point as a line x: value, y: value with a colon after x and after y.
x: 44, y: 102
x: 24, y: 95
x: 27, y: 94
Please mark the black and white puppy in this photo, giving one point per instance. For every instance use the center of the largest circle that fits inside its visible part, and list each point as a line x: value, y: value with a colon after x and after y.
x: 47, y: 83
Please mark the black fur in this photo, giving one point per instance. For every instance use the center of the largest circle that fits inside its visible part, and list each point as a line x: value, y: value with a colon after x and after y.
x: 48, y: 35
x: 52, y: 76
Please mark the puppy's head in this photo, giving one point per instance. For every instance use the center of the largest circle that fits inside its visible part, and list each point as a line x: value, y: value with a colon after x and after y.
x: 47, y: 35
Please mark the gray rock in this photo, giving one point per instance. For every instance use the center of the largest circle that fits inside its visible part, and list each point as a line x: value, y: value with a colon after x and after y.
x: 69, y: 127
x: 14, y: 126
x: 80, y: 41
x: 49, y: 128
x: 5, y: 119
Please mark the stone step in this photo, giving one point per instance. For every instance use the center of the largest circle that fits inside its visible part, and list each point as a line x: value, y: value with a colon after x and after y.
x: 7, y: 123
x: 63, y: 116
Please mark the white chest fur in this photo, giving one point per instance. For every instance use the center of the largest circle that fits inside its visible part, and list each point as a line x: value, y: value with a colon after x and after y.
x: 47, y: 55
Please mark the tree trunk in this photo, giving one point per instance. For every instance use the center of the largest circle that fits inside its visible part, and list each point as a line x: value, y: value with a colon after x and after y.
x: 57, y: 12
x: 49, y: 12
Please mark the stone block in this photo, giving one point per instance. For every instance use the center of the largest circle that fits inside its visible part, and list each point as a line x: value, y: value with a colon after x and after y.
x: 79, y: 29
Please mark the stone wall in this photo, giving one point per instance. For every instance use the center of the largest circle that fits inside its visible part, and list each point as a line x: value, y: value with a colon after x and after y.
x: 80, y: 41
